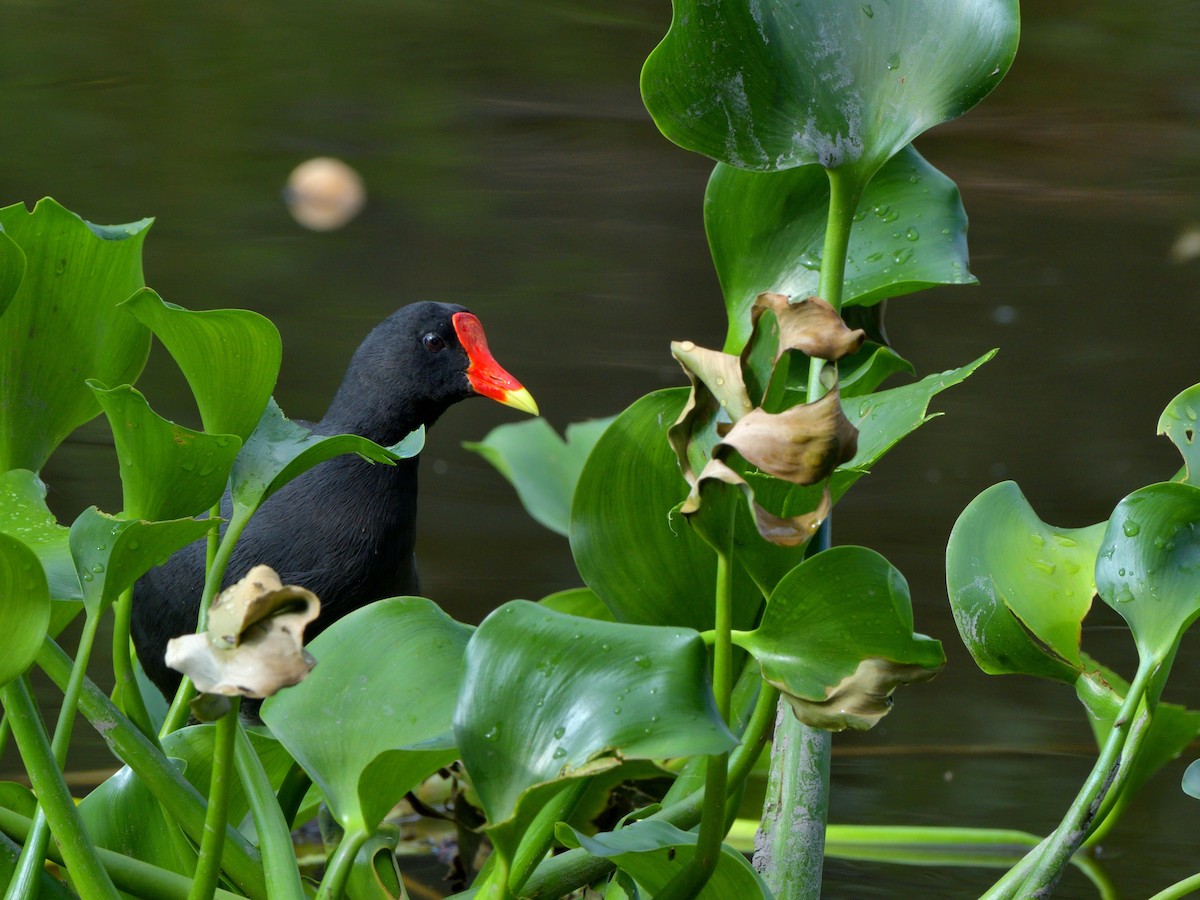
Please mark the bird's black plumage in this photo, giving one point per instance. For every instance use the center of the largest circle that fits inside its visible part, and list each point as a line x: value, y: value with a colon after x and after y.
x: 346, y: 528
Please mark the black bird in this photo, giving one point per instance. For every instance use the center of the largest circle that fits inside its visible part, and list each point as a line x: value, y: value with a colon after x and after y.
x: 345, y: 529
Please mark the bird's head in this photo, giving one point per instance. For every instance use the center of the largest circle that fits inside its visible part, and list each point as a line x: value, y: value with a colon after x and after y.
x: 417, y: 363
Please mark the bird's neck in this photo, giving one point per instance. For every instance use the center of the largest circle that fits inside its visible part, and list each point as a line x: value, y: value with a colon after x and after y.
x: 381, y: 413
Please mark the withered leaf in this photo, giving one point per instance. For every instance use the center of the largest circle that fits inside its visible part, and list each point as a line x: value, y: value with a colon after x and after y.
x: 786, y: 531
x: 859, y: 700
x: 254, y: 643
x: 803, y: 444
x: 811, y: 326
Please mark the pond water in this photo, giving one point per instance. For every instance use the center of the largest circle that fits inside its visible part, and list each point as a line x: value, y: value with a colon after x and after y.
x: 510, y: 166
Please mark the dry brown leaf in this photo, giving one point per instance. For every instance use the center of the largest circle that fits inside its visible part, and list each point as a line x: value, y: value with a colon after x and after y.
x: 803, y: 444
x: 861, y: 699
x: 254, y: 645
x: 811, y: 326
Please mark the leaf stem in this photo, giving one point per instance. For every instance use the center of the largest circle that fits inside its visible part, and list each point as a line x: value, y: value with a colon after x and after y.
x: 126, y: 692
x: 87, y: 872
x: 208, y: 866
x: 33, y: 855
x: 178, y: 798
x: 177, y: 715
x: 1041, y: 868
x: 131, y: 875
x: 274, y: 832
x: 539, y: 836
x: 340, y: 864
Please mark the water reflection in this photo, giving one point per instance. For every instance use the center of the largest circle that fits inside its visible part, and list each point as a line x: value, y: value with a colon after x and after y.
x: 514, y: 170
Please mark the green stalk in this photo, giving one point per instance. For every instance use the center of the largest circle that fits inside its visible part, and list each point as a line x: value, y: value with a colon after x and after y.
x: 5, y: 731
x: 126, y: 693
x: 80, y: 856
x: 208, y: 866
x: 291, y: 793
x: 1042, y: 866
x: 539, y: 837
x: 1082, y: 815
x: 340, y: 863
x: 131, y: 875
x: 179, y: 799
x: 691, y: 880
x: 1179, y: 889
x: 33, y: 855
x: 177, y: 715
x: 572, y: 870
x: 798, y: 790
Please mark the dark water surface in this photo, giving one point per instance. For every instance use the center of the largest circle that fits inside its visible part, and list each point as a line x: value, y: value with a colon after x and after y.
x: 511, y: 167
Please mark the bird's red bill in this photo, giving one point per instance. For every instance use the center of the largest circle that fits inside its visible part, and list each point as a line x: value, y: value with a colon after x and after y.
x: 487, y: 376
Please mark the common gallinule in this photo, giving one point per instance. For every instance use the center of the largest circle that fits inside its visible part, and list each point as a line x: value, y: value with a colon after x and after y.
x: 346, y: 529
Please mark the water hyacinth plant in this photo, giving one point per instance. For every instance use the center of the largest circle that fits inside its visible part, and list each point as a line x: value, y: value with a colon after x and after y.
x: 713, y: 609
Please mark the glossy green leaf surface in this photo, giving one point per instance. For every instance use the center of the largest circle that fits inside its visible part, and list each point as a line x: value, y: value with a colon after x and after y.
x: 653, y: 852
x: 1179, y: 423
x: 645, y: 562
x: 1172, y: 728
x: 25, y: 516
x: 640, y: 556
x: 543, y: 467
x: 111, y: 553
x: 167, y: 471
x: 837, y: 638
x: 63, y: 327
x: 24, y: 607
x: 123, y: 801
x: 766, y: 231
x: 864, y: 372
x: 578, y: 602
x: 549, y: 697
x: 280, y: 450
x: 1020, y: 588
x: 769, y: 86
x: 1148, y: 567
x: 230, y: 358
x: 374, y: 717
x: 12, y: 270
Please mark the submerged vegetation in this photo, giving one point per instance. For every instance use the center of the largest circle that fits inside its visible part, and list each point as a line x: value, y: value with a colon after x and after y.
x: 618, y: 723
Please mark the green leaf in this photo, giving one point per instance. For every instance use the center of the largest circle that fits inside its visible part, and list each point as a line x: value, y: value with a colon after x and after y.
x: 770, y: 86
x: 631, y: 547
x: 123, y: 800
x: 1178, y: 422
x: 24, y: 515
x: 837, y: 638
x: 653, y: 852
x: 111, y: 553
x: 366, y: 737
x: 862, y: 373
x: 63, y: 327
x: 280, y: 450
x: 167, y: 471
x: 766, y: 231
x: 24, y: 607
x: 540, y: 465
x: 581, y: 602
x: 1148, y: 567
x: 549, y: 697
x: 884, y: 418
x: 230, y: 358
x: 1020, y: 588
x: 12, y: 270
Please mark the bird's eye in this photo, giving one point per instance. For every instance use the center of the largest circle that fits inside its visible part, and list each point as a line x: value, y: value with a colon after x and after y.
x: 433, y: 342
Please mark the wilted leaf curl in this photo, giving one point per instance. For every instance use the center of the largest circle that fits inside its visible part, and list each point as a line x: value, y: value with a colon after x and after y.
x: 811, y: 326
x: 254, y: 645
